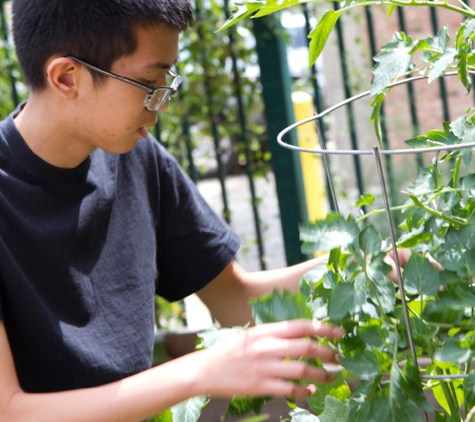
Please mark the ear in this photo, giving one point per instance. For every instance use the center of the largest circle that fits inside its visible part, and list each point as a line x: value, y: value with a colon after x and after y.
x: 63, y: 76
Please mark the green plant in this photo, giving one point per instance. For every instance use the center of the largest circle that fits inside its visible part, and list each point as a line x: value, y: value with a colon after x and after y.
x: 413, y: 341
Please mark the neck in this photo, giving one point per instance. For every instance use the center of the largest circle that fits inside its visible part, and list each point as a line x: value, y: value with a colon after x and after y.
x: 48, y: 132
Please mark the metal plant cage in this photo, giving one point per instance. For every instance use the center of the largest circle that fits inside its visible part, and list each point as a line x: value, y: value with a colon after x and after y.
x: 377, y: 152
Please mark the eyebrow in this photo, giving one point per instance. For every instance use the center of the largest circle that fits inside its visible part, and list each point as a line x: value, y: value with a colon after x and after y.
x: 161, y: 65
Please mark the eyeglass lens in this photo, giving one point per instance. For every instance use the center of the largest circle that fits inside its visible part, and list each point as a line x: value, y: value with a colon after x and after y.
x: 158, y: 99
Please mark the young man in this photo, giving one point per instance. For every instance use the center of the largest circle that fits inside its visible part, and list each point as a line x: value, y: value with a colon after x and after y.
x: 95, y: 218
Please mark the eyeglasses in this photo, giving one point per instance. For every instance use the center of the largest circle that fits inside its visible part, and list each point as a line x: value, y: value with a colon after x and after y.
x: 157, y: 96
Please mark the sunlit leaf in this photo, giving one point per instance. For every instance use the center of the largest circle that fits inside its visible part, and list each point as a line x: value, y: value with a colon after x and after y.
x: 441, y: 64
x: 392, y: 62
x: 274, y: 6
x: 325, y: 235
x: 303, y: 415
x: 321, y: 32
x: 243, y: 10
x: 189, y: 410
x: 218, y: 335
x: 166, y: 416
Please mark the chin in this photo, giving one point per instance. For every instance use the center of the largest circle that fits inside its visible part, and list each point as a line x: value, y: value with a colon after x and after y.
x: 121, y: 148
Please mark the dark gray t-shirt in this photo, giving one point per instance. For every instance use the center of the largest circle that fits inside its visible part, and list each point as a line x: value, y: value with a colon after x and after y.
x: 84, y: 250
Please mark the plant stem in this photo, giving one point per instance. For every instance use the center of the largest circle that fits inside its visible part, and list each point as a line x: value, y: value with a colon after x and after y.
x: 454, y: 221
x: 454, y: 409
x: 382, y: 211
x: 462, y: 10
x: 456, y: 171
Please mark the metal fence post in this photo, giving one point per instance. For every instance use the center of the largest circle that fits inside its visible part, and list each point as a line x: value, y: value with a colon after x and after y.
x: 279, y: 113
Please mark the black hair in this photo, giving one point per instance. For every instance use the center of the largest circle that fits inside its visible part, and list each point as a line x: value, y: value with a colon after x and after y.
x: 97, y: 31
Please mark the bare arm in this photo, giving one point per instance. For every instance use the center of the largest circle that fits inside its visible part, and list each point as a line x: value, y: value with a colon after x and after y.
x: 227, y: 296
x: 254, y: 364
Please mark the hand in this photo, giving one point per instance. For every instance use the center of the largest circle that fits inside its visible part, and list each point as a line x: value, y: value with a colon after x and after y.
x: 403, y: 257
x: 261, y: 360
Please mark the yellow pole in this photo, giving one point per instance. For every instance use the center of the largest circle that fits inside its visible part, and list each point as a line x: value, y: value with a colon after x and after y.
x: 312, y: 170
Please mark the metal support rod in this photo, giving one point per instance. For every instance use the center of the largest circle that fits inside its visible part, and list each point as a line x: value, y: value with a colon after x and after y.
x: 379, y: 166
x: 326, y: 165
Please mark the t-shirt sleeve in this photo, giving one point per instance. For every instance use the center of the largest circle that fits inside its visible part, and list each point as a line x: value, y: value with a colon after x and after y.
x: 194, y: 244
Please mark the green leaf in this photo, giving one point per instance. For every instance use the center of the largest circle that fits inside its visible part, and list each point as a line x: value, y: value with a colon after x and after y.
x: 463, y: 68
x: 377, y: 272
x: 274, y: 6
x: 436, y: 313
x: 370, y: 241
x: 374, y: 335
x: 345, y: 300
x: 319, y: 35
x: 452, y: 352
x: 339, y: 390
x: 391, y: 8
x: 189, y: 410
x: 392, y: 62
x: 376, y: 114
x: 361, y: 362
x: 458, y: 252
x: 279, y: 307
x: 303, y: 415
x: 239, y: 406
x: 166, y: 416
x: 366, y: 199
x: 242, y: 11
x: 441, y: 64
x: 325, y: 235
x: 420, y: 276
x: 217, y: 335
x: 413, y: 388
x: 400, y: 408
x: 335, y: 411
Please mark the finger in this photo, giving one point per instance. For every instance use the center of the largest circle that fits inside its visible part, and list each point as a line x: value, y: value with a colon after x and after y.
x: 304, y: 348
x: 298, y: 370
x: 299, y: 328
x: 283, y: 388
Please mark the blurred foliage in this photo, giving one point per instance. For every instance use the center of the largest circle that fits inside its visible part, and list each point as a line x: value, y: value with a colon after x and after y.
x: 9, y: 69
x: 208, y: 95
